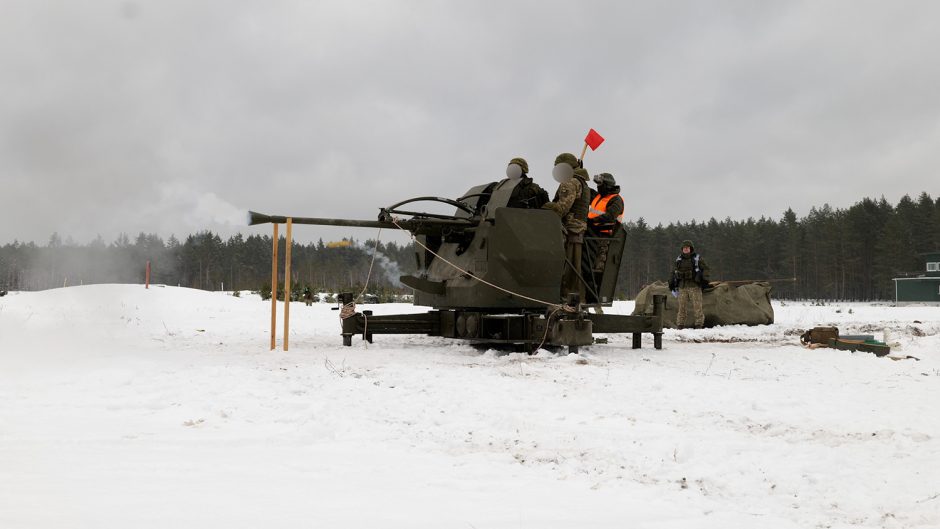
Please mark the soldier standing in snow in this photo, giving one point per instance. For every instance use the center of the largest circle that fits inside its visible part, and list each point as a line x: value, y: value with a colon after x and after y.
x: 689, y: 277
x: 308, y: 296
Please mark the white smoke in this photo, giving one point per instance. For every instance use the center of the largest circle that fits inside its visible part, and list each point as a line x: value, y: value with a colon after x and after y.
x: 389, y: 268
x: 181, y: 204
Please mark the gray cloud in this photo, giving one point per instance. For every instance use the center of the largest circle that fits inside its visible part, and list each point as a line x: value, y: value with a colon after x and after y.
x: 173, y: 116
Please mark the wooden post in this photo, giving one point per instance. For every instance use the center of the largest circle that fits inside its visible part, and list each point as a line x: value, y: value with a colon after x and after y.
x: 287, y: 246
x: 274, y: 289
x: 147, y: 278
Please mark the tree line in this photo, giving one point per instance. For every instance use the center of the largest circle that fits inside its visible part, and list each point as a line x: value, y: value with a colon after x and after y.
x: 848, y: 254
x: 837, y: 254
x: 204, y: 261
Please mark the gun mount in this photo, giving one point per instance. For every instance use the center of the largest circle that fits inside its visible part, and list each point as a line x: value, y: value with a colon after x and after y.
x: 493, y: 274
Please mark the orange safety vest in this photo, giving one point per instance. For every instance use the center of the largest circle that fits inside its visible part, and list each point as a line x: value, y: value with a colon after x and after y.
x: 599, y: 207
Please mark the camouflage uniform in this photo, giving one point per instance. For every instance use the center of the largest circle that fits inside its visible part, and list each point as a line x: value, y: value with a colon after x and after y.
x: 571, y: 203
x: 527, y: 194
x: 689, y: 276
x: 308, y: 296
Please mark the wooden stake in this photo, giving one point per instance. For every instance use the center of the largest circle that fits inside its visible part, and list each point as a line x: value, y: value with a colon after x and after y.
x: 583, y: 151
x: 287, y: 246
x: 147, y: 279
x: 274, y: 289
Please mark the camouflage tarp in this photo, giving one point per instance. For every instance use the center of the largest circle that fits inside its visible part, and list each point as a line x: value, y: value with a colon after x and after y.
x: 723, y: 304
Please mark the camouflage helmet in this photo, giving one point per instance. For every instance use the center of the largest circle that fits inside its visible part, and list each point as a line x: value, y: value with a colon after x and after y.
x: 521, y: 163
x: 605, y: 179
x: 568, y: 158
x: 687, y: 243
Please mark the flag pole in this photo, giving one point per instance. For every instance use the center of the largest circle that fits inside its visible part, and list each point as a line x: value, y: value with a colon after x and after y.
x: 583, y: 151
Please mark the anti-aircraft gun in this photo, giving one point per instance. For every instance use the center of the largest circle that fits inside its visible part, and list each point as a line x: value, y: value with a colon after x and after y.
x: 493, y: 275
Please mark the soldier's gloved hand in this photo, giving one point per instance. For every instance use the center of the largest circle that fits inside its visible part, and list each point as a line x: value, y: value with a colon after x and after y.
x: 675, y: 293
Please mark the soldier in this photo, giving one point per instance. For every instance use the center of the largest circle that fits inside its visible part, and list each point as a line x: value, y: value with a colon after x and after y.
x: 689, y: 277
x: 605, y: 215
x: 308, y: 296
x: 571, y: 203
x: 527, y: 194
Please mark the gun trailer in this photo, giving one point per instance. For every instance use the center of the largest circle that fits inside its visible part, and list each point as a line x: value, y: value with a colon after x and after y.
x: 492, y: 275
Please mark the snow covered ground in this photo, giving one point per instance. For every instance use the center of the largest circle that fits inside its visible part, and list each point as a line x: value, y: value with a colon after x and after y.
x: 124, y: 407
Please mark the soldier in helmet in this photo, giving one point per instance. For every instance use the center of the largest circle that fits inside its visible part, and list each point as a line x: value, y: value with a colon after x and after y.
x: 571, y: 204
x: 527, y: 194
x: 605, y: 215
x: 689, y: 277
x: 308, y: 296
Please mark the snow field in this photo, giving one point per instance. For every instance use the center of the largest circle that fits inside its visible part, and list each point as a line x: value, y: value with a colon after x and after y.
x: 121, y: 407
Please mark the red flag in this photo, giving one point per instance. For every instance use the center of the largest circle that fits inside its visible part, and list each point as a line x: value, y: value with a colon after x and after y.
x: 593, y: 139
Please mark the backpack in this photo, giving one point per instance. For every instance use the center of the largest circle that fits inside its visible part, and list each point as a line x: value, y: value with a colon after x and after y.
x: 820, y: 336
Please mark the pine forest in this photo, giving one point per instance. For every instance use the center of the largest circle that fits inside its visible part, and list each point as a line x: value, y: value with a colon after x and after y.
x: 830, y: 254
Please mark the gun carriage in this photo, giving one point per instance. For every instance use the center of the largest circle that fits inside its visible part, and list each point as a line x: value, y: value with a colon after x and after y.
x: 492, y: 275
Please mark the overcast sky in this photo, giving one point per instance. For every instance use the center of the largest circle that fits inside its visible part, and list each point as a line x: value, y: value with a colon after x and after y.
x: 171, y: 117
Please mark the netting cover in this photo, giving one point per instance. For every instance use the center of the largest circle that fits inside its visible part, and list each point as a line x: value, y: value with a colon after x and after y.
x: 723, y: 304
